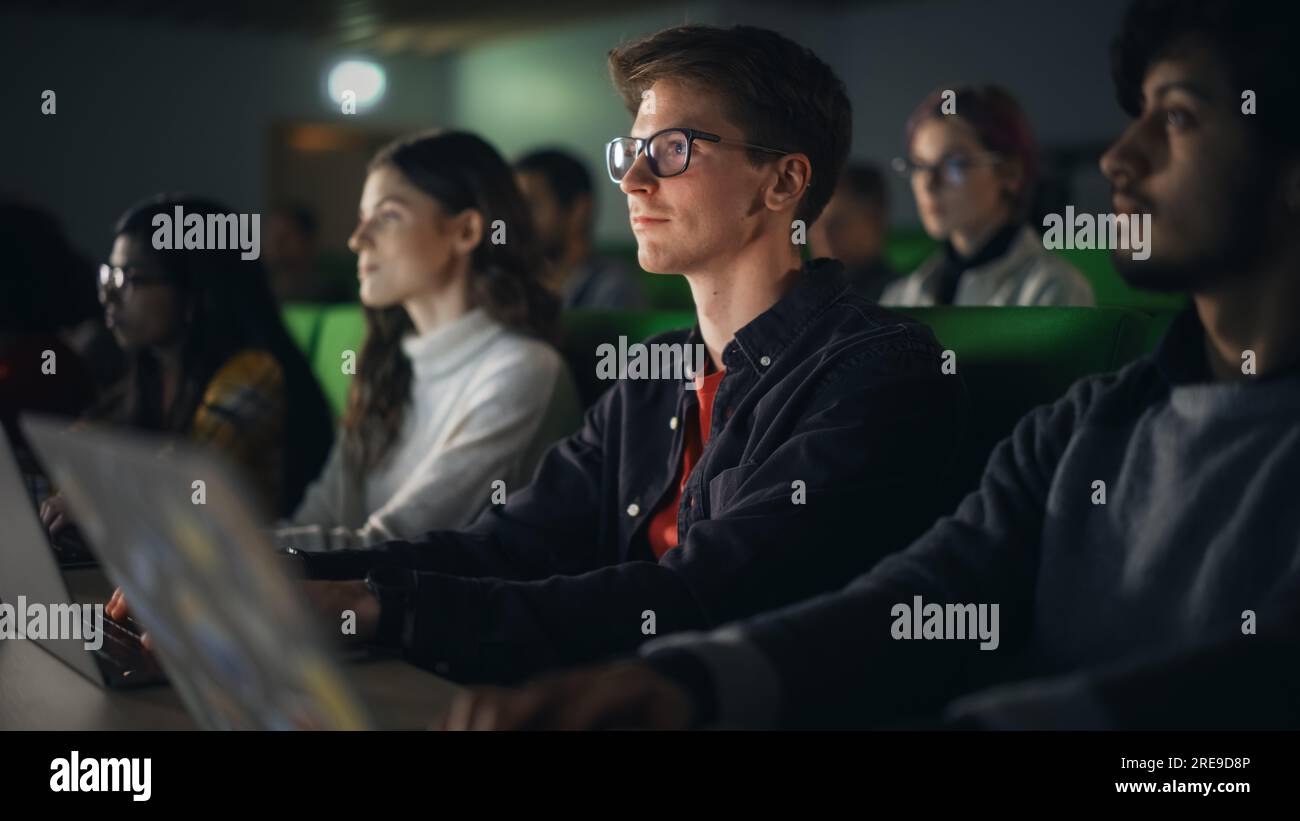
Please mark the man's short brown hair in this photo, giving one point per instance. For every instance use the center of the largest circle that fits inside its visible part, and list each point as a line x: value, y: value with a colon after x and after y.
x: 779, y: 93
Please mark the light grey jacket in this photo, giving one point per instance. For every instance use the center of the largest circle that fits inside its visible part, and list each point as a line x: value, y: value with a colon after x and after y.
x: 1028, y: 274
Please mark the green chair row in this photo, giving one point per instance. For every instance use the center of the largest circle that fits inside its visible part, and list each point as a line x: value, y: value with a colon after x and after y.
x: 1011, y: 359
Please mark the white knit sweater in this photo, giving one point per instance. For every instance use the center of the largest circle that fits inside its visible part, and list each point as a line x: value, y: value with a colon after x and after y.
x: 485, y: 404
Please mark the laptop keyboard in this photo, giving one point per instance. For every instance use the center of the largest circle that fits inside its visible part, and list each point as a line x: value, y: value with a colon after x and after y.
x: 124, y: 656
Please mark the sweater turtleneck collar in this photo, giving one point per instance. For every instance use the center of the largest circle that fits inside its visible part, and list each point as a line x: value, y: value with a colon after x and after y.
x: 447, y: 347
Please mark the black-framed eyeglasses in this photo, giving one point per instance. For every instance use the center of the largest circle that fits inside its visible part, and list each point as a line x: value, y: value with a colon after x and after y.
x: 117, y: 278
x: 952, y: 169
x: 667, y: 152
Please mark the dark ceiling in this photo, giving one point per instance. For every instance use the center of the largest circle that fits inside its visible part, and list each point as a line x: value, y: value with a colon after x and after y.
x: 385, y: 26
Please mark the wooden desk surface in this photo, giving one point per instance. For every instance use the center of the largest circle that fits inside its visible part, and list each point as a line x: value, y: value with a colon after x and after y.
x: 39, y: 692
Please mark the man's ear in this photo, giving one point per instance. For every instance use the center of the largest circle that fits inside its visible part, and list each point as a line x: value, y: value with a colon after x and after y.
x: 793, y: 174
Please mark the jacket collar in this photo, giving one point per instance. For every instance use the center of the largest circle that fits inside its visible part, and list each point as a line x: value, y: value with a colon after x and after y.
x: 819, y: 283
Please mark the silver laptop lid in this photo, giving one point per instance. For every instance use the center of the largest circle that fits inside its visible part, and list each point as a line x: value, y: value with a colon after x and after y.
x: 231, y: 630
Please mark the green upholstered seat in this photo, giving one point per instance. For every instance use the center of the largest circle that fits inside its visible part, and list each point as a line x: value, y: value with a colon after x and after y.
x: 342, y: 329
x: 302, y: 320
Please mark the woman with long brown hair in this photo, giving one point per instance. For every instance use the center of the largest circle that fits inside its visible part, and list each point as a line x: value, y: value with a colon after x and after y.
x: 457, y: 391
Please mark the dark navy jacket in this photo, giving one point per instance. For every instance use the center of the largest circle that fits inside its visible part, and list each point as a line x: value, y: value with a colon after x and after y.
x: 831, y: 434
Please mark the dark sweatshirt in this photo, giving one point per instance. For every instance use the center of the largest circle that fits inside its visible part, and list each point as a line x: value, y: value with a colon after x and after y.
x: 1127, y: 613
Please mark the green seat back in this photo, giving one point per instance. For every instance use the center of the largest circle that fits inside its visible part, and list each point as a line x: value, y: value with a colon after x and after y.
x: 342, y: 329
x: 302, y: 320
x: 1015, y: 359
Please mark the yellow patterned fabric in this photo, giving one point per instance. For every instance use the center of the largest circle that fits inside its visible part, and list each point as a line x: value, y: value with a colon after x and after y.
x: 242, y: 414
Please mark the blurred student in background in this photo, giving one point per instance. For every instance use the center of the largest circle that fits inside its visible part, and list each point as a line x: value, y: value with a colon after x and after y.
x: 456, y: 387
x: 557, y: 187
x: 973, y: 172
x: 852, y: 229
x: 208, y: 358
x: 39, y: 369
x: 291, y: 253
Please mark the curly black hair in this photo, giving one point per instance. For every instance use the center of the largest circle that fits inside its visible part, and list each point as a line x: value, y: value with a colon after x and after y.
x: 1258, y: 40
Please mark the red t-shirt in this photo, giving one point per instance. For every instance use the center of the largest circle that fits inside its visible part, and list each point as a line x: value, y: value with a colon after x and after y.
x: 663, y: 525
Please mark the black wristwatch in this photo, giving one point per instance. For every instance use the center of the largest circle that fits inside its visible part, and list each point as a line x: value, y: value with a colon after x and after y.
x: 394, y: 587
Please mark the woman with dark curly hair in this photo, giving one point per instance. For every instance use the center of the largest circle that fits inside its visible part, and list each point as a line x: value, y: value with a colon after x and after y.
x: 457, y: 392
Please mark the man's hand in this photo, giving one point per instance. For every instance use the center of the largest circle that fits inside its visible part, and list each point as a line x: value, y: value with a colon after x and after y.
x: 624, y: 695
x: 117, y: 610
x: 330, y: 598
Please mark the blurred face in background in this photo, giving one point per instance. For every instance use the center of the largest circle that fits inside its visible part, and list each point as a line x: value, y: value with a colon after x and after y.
x: 552, y: 221
x: 958, y: 184
x: 850, y: 229
x: 142, y: 307
x: 407, y: 245
x: 287, y: 246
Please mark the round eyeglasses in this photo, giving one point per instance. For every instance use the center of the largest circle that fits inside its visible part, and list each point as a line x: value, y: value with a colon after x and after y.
x: 951, y: 170
x: 114, y: 279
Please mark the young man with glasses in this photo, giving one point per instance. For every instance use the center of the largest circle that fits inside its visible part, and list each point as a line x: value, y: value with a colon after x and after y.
x: 813, y: 445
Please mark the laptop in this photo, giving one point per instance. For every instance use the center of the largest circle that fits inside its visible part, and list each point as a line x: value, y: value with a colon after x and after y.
x: 232, y: 632
x: 31, y: 574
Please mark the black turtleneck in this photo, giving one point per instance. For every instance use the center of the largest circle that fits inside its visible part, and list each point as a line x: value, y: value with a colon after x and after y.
x: 954, y: 264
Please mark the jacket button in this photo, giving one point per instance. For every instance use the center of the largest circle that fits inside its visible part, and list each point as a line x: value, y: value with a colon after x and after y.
x: 672, y: 423
x: 633, y: 510
x: 765, y: 361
